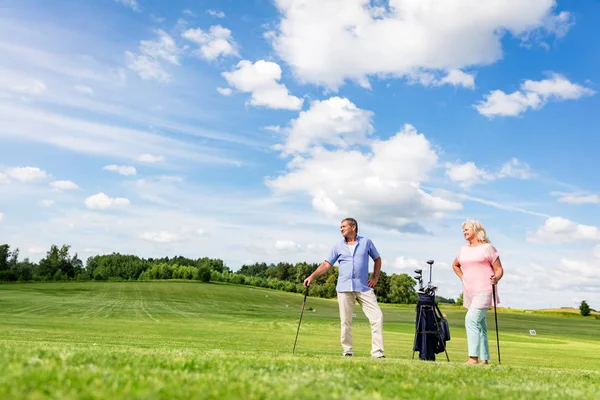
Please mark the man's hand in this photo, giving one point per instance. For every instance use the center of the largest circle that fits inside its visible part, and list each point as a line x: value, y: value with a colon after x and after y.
x: 372, y: 282
x: 307, y: 282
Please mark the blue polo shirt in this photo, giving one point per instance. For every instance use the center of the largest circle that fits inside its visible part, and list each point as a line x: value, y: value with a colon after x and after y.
x: 354, y: 266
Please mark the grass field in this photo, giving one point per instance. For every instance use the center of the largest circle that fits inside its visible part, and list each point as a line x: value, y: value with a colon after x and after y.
x: 191, y: 340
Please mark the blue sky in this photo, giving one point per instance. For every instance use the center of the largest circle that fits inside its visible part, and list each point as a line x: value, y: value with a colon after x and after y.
x: 247, y: 130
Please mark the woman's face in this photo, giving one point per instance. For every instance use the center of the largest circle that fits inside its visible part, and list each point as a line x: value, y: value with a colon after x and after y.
x: 469, y: 232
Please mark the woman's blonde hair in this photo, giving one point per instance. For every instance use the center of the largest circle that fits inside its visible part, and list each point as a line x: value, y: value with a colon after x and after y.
x: 478, y: 228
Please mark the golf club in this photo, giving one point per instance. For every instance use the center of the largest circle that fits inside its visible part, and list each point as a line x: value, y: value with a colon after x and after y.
x: 301, y: 312
x: 496, y: 317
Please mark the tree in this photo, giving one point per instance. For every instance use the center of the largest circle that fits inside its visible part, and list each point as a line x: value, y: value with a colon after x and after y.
x: 459, y: 301
x: 584, y: 308
x: 402, y: 289
x: 204, y: 274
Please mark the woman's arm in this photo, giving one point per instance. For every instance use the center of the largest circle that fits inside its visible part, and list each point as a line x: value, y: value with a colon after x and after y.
x: 498, y: 271
x: 456, y: 268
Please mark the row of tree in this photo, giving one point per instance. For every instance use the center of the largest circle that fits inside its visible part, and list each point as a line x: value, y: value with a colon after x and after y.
x: 60, y: 265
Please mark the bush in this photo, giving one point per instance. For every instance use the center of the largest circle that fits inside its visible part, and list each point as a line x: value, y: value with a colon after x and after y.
x: 8, y: 276
x: 204, y: 274
x: 584, y: 308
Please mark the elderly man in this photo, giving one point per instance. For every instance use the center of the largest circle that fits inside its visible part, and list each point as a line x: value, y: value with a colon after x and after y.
x: 353, y: 285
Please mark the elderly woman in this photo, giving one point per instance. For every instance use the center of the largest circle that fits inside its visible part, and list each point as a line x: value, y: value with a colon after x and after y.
x: 478, y: 266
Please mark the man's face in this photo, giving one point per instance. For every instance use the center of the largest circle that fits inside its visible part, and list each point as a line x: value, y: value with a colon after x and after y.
x: 346, y: 229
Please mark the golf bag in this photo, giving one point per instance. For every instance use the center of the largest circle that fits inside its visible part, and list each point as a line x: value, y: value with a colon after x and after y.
x: 431, y: 329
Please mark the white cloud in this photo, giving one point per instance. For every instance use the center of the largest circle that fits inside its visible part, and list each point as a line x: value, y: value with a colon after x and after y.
x: 215, y: 43
x: 575, y: 198
x: 515, y: 169
x: 273, y: 128
x: 335, y: 121
x: 189, y: 12
x: 469, y: 174
x: 1, y: 216
x: 457, y: 77
x: 261, y: 79
x: 597, y: 251
x: 121, y: 169
x: 133, y: 4
x: 47, y: 203
x: 64, y: 185
x: 26, y: 174
x: 385, y: 182
x: 161, y: 237
x: 561, y: 230
x: 224, y: 91
x: 4, y: 179
x: 31, y: 88
x: 101, y: 201
x: 149, y: 158
x: 84, y: 90
x: 287, y: 245
x: 402, y: 264
x: 216, y: 14
x: 533, y: 94
x: 149, y: 64
x: 398, y: 38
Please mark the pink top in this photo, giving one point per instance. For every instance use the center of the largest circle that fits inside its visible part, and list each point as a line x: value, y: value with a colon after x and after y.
x: 476, y: 265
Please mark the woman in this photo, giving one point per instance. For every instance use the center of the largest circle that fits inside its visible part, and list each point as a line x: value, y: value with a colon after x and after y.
x: 475, y: 263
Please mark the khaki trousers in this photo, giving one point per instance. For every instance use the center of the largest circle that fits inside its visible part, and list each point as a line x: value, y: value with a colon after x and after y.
x: 368, y: 303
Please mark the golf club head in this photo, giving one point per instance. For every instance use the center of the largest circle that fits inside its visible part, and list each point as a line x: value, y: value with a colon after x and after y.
x: 418, y: 271
x: 430, y: 262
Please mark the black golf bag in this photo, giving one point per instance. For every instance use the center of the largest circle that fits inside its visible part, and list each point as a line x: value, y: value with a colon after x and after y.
x: 432, y: 330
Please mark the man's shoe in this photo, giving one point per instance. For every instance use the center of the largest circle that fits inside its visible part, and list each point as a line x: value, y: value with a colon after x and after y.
x: 348, y: 355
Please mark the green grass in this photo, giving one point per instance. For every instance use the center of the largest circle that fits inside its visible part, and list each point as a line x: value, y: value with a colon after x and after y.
x: 191, y: 340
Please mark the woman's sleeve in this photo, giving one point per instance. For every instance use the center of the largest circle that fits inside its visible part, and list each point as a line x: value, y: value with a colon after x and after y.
x: 492, y: 254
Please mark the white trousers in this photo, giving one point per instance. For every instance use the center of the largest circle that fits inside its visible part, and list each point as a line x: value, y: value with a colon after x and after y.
x: 368, y: 303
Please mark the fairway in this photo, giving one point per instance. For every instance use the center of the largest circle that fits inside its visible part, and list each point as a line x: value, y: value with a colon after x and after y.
x: 193, y: 340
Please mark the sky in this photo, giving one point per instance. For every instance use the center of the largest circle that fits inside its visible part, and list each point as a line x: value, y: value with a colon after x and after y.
x: 246, y: 131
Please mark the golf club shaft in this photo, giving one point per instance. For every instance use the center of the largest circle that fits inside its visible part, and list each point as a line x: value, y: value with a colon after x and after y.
x: 496, y: 317
x: 301, y: 313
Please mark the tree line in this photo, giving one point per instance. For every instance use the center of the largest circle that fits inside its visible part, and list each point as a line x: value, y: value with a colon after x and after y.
x: 59, y: 265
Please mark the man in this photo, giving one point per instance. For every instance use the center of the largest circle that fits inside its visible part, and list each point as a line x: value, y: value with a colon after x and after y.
x: 353, y: 285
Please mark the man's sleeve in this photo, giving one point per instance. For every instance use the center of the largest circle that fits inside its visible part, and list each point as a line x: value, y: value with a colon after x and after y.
x: 333, y: 256
x: 373, y: 250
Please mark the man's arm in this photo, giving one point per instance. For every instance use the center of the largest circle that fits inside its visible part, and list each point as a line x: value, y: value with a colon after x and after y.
x: 376, y: 270
x: 324, y: 267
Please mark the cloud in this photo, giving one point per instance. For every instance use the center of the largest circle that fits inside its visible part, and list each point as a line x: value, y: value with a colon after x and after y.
x: 121, y: 169
x: 101, y: 201
x: 469, y: 174
x: 335, y: 121
x: 261, y: 79
x: 1, y: 216
x: 224, y: 91
x: 64, y: 185
x: 402, y: 264
x: 4, y: 179
x: 385, y: 181
x: 597, y: 251
x: 31, y: 88
x: 533, y: 95
x: 149, y: 64
x: 396, y: 38
x: 133, y: 4
x: 149, y: 158
x: 216, y: 14
x: 26, y: 174
x: 561, y: 230
x: 273, y: 128
x: 47, y: 203
x: 457, y: 77
x: 84, y: 90
x: 161, y: 237
x: 215, y: 43
x: 575, y: 198
x: 287, y: 245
